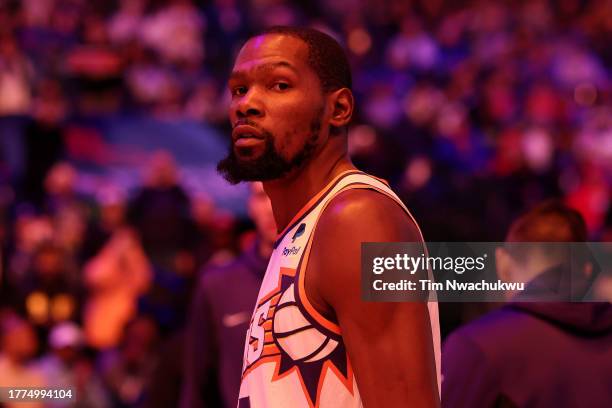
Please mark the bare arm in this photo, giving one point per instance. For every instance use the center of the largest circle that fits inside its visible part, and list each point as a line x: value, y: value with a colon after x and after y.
x: 389, y: 344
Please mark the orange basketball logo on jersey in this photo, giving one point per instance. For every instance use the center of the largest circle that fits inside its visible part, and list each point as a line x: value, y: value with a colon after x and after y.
x: 281, y: 333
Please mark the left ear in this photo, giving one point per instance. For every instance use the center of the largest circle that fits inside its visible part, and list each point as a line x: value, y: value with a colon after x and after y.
x: 342, y: 104
x: 503, y: 262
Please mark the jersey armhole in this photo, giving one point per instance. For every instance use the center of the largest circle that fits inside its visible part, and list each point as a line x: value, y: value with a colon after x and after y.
x: 312, y: 314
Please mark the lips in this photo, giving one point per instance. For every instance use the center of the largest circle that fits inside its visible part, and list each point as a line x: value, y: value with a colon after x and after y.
x: 247, y: 142
x: 241, y: 132
x: 246, y: 136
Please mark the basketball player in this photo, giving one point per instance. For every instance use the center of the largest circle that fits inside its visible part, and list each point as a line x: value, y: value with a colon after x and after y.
x: 312, y: 341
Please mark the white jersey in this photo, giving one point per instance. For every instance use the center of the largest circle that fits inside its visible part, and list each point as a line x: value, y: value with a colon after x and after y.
x: 294, y: 356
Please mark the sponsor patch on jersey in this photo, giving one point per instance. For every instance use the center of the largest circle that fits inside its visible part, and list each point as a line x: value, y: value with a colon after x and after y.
x: 291, y: 251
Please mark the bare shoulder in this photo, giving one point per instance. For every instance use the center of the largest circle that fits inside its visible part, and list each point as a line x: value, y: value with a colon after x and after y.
x: 365, y: 215
x: 384, y: 340
x: 352, y: 217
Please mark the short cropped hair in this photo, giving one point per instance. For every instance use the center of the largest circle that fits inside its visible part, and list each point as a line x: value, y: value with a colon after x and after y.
x: 325, y: 56
x: 550, y: 221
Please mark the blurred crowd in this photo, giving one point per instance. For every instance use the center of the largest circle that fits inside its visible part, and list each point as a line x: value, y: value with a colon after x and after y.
x: 92, y: 289
x: 472, y: 110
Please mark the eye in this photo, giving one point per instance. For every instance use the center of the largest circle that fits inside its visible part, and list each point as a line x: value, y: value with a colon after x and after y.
x: 239, y: 90
x: 280, y: 86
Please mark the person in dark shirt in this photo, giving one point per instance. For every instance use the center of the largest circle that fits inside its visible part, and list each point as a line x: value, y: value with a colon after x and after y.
x: 43, y: 139
x: 160, y: 212
x: 535, y: 354
x: 220, y: 315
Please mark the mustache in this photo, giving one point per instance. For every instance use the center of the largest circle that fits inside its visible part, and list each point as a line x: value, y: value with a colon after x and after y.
x: 248, y: 122
x: 264, y: 132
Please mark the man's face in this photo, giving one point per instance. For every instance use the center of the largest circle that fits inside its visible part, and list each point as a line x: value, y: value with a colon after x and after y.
x: 276, y: 110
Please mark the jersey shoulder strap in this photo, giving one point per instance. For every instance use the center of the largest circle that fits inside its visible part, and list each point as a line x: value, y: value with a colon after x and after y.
x: 354, y: 180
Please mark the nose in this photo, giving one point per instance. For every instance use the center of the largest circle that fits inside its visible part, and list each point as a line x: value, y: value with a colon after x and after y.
x: 249, y: 105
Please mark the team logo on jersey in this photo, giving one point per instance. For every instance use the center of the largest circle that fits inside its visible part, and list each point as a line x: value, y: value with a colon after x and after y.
x: 272, y: 337
x: 299, y: 232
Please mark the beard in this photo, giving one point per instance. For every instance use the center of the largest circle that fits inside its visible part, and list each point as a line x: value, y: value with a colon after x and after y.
x: 270, y: 165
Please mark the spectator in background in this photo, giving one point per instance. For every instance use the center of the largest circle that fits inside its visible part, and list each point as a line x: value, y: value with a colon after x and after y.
x: 69, y: 210
x: 51, y: 290
x: 30, y: 231
x: 125, y: 23
x: 18, y: 345
x: 224, y: 237
x: 203, y: 103
x: 44, y: 142
x: 546, y: 354
x: 16, y: 75
x: 203, y: 213
x: 150, y: 83
x: 65, y: 366
x: 96, y: 68
x: 115, y: 278
x: 61, y: 192
x: 127, y: 369
x: 175, y: 32
x: 220, y: 314
x: 112, y: 207
x: 160, y: 212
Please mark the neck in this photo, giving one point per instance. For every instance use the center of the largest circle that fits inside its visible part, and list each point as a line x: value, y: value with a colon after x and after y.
x: 289, y: 194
